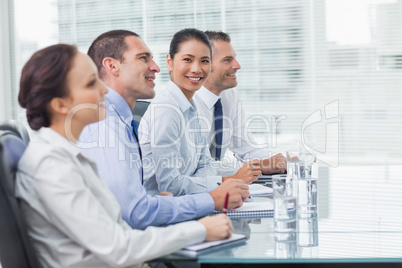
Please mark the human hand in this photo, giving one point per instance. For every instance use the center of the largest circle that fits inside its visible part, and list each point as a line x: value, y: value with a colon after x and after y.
x: 249, y: 172
x: 238, y: 192
x: 218, y: 227
x: 275, y: 164
x: 165, y: 193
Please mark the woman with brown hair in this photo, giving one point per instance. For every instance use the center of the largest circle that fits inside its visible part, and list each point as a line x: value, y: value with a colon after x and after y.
x: 73, y: 218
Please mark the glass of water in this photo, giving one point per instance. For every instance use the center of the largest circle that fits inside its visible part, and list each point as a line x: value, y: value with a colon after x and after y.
x: 307, y: 232
x: 286, y: 245
x: 307, y: 190
x: 292, y: 157
x: 285, y: 202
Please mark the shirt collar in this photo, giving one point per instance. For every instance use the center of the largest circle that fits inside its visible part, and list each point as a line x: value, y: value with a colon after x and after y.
x: 207, y: 97
x: 179, y: 97
x: 115, y: 102
x: 57, y: 140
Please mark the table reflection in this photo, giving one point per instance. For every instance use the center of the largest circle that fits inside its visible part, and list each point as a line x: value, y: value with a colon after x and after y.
x: 359, y: 219
x: 302, y: 243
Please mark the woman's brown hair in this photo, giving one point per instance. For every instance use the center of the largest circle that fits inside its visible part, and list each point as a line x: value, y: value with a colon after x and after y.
x: 43, y: 78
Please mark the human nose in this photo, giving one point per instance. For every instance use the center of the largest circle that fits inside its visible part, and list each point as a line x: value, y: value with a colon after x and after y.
x: 236, y: 65
x: 154, y: 67
x: 195, y: 67
x: 103, y: 90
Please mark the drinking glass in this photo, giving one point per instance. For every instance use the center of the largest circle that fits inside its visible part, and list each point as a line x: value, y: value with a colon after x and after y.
x: 285, y: 202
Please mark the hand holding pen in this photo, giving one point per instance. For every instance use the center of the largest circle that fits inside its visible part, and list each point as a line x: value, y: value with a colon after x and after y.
x: 238, y: 193
x: 225, y: 207
x: 217, y: 227
x: 250, y: 170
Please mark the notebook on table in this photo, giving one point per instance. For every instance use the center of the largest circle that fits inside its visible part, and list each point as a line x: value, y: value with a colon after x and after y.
x: 251, y: 210
x: 260, y: 190
x: 266, y: 178
x: 205, y: 247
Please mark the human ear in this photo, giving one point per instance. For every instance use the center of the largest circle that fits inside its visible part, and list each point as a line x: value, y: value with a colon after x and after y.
x: 169, y: 61
x: 112, y: 66
x: 59, y: 105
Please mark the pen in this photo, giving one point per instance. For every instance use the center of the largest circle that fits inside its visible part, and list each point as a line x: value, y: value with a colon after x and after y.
x: 225, y: 207
x: 238, y: 158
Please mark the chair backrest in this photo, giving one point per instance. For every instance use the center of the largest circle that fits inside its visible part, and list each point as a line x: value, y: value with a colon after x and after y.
x: 15, y: 247
x: 139, y: 109
x: 16, y: 127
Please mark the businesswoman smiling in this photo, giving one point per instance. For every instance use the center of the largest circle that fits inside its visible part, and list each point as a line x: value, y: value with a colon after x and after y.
x: 73, y: 219
x: 176, y: 157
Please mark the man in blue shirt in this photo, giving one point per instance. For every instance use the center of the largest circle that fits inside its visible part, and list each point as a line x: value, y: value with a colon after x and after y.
x: 126, y: 67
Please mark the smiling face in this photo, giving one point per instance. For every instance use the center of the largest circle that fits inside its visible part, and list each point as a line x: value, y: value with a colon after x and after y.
x: 138, y: 69
x: 224, y: 67
x: 86, y: 91
x: 190, y: 67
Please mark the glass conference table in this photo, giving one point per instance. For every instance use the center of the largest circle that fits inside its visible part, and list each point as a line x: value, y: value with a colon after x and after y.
x: 359, y: 222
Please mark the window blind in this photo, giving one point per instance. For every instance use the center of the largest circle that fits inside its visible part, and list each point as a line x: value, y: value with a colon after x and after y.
x: 299, y: 58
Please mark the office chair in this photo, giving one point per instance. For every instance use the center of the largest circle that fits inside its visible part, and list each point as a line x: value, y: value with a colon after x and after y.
x: 15, y: 247
x: 139, y: 109
x: 16, y: 127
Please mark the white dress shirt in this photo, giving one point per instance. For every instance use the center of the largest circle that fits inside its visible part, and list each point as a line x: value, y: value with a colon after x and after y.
x: 75, y: 221
x: 175, y: 154
x: 235, y: 136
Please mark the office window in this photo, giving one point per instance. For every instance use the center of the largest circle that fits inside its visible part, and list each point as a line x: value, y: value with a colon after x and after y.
x: 297, y: 57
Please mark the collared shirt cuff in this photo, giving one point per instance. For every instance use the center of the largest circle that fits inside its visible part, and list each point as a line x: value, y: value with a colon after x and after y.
x: 213, y: 182
x: 204, y: 203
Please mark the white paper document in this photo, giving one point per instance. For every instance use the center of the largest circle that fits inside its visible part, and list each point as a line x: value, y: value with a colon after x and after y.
x: 197, y: 249
x: 260, y: 190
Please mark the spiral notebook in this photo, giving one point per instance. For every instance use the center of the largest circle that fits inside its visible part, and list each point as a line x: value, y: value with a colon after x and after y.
x: 251, y: 209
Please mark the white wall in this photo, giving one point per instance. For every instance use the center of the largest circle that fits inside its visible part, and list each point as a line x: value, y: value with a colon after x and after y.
x: 5, y: 59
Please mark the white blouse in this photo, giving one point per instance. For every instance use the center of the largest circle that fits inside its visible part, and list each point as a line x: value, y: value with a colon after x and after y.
x: 75, y: 221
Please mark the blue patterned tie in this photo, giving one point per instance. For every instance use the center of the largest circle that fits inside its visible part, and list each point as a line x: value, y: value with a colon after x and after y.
x: 135, y: 132
x: 218, y: 121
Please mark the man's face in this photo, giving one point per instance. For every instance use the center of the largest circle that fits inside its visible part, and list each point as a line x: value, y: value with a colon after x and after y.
x: 138, y: 69
x: 224, y: 67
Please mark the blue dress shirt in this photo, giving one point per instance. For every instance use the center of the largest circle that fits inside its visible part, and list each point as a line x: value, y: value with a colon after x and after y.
x: 112, y: 145
x: 175, y: 153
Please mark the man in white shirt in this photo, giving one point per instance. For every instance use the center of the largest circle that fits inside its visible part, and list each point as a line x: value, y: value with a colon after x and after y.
x: 219, y: 90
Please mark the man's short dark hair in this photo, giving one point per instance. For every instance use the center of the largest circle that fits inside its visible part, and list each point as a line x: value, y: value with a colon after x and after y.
x: 109, y: 44
x: 218, y: 36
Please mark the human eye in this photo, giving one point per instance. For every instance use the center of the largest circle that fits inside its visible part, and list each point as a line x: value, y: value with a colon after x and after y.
x: 206, y: 61
x: 91, y: 83
x: 187, y: 59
